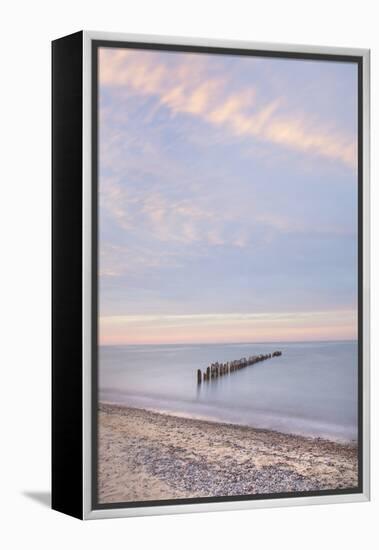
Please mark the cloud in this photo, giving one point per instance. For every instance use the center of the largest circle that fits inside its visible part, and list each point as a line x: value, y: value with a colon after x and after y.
x: 226, y: 327
x: 116, y: 261
x: 193, y: 221
x: 191, y: 87
x: 200, y: 226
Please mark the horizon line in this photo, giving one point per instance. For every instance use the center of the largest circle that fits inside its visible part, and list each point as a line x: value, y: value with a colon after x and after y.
x: 231, y: 342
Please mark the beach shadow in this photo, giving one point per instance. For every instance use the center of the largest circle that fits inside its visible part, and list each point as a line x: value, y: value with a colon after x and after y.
x: 42, y: 497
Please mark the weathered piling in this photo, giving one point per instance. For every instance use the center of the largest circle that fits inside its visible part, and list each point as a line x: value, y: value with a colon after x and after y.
x: 199, y: 376
x: 215, y: 370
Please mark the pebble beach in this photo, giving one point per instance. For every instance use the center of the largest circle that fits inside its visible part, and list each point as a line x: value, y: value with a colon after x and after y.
x: 146, y: 455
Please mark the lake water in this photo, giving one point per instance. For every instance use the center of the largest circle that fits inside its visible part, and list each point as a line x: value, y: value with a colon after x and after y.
x: 311, y: 389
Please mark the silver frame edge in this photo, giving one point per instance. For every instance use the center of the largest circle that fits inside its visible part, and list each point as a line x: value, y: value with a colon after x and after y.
x: 88, y: 512
x: 366, y: 272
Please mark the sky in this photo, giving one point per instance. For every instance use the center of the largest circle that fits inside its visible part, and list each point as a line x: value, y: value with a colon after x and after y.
x: 227, y: 198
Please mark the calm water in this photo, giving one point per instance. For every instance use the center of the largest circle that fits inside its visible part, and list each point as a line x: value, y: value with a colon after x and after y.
x: 311, y: 389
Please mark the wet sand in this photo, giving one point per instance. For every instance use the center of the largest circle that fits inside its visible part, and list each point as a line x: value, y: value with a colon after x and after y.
x: 145, y: 456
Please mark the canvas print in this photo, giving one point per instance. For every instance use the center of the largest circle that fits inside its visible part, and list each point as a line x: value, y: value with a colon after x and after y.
x: 228, y: 302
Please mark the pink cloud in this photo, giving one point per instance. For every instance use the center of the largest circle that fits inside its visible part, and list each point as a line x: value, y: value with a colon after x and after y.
x: 188, y: 89
x: 302, y: 326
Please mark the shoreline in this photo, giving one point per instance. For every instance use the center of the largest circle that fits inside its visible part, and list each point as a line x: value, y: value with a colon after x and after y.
x: 215, y: 420
x: 146, y: 455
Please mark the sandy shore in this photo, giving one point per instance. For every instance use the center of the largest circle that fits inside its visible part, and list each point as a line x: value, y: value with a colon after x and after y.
x: 150, y: 456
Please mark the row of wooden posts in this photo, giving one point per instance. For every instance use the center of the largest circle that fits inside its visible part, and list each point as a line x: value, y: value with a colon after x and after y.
x: 217, y: 369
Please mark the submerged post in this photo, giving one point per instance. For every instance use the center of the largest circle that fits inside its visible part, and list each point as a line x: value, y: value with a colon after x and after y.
x: 198, y: 376
x: 215, y: 370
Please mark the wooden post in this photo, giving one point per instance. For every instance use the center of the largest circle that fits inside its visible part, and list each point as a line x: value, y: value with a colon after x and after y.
x: 198, y: 376
x: 214, y: 370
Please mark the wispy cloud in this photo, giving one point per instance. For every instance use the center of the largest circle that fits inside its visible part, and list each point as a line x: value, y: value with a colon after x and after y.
x: 198, y: 220
x: 116, y: 261
x: 248, y: 327
x: 217, y: 194
x: 171, y: 219
x: 193, y: 89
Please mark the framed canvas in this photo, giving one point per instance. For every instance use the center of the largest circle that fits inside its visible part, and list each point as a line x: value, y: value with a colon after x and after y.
x: 210, y: 275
